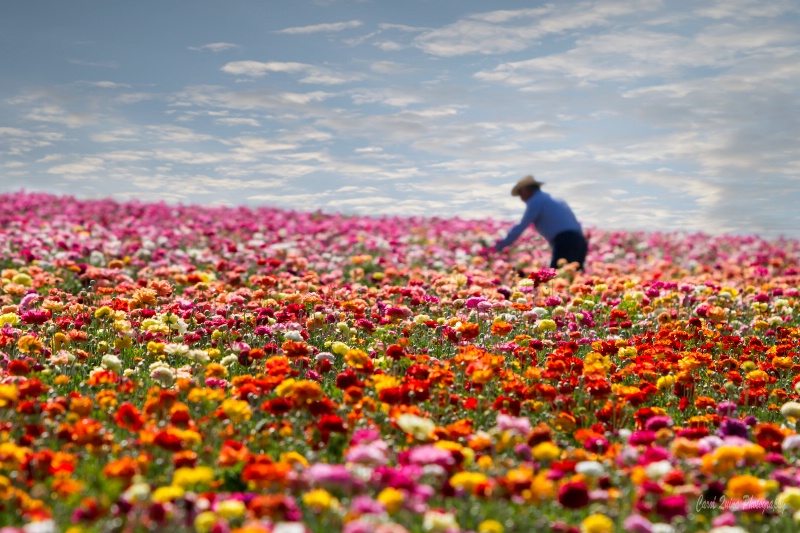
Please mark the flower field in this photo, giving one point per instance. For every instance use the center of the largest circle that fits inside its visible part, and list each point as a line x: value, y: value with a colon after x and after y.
x: 185, y: 368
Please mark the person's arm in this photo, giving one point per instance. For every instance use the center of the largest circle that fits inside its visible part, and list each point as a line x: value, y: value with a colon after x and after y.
x: 528, y: 217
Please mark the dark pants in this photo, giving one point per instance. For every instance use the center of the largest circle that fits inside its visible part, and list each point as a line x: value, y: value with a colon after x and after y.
x: 569, y: 245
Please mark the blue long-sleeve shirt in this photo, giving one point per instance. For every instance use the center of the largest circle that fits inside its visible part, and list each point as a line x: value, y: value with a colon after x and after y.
x: 549, y: 215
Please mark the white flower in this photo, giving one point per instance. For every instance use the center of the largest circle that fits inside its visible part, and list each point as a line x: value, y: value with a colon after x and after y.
x: 293, y: 336
x: 435, y: 522
x: 658, y: 469
x: 590, y: 468
x: 162, y: 373
x: 327, y: 356
x: 289, y: 527
x: 138, y: 492
x: 175, y: 323
x: 176, y: 349
x: 229, y: 360
x: 112, y: 362
x: 661, y: 527
x: 417, y: 427
x: 791, y: 410
x: 198, y: 356
x: 42, y: 526
x: 792, y: 442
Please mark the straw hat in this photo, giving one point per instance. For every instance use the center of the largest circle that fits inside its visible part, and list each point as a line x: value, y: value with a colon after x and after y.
x: 527, y: 181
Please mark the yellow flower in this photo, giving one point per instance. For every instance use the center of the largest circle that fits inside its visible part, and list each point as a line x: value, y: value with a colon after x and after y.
x: 293, y: 458
x: 121, y: 343
x: 546, y: 451
x: 383, y: 381
x: 356, y: 358
x: 597, y: 523
x: 167, y: 494
x: 789, y: 497
x: 8, y: 394
x: 156, y: 348
x: 236, y: 410
x: 22, y: 279
x: 490, y: 526
x: 754, y: 453
x: 723, y: 459
x: 339, y: 348
x: 9, y: 318
x: 285, y: 388
x: 319, y: 500
x: 467, y: 480
x: 547, y: 325
x: 189, y: 477
x: 103, y: 312
x: 484, y: 462
x: 543, y: 489
x: 392, y: 499
x: 230, y: 509
x: 205, y: 521
x: 665, y: 383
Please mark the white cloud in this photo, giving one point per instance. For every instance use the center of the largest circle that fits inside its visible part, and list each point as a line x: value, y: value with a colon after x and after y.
x: 257, y: 69
x: 388, y: 97
x: 326, y: 28
x: 99, y: 64
x: 312, y: 74
x: 106, y: 84
x: 391, y: 67
x: 179, y: 134
x: 86, y: 165
x: 57, y: 115
x: 491, y: 33
x: 18, y: 141
x: 238, y: 121
x: 254, y: 145
x: 118, y: 135
x: 215, y: 47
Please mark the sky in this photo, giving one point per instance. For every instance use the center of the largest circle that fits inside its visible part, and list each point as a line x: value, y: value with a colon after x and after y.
x: 673, y: 115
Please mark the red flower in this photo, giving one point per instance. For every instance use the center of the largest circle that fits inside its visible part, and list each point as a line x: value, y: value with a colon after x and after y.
x: 168, y: 440
x: 278, y: 406
x: 129, y: 417
x: 331, y: 424
x: 573, y: 495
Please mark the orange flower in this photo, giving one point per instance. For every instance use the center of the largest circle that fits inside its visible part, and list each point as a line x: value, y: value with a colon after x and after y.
x: 745, y: 486
x: 142, y: 297
x: 123, y: 468
x: 66, y: 486
x: 501, y: 328
x: 29, y: 344
x: 303, y: 391
x: 81, y: 406
x: 232, y: 452
x: 264, y: 475
x: 295, y: 349
x: 469, y: 331
x: 88, y: 431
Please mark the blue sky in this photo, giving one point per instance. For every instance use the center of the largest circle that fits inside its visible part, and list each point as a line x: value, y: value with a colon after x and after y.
x: 652, y: 115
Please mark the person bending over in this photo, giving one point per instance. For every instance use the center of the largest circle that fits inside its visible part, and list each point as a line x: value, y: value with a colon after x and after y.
x: 552, y: 218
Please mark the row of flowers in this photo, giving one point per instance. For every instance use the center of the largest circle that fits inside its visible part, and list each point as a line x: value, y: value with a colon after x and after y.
x: 221, y: 369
